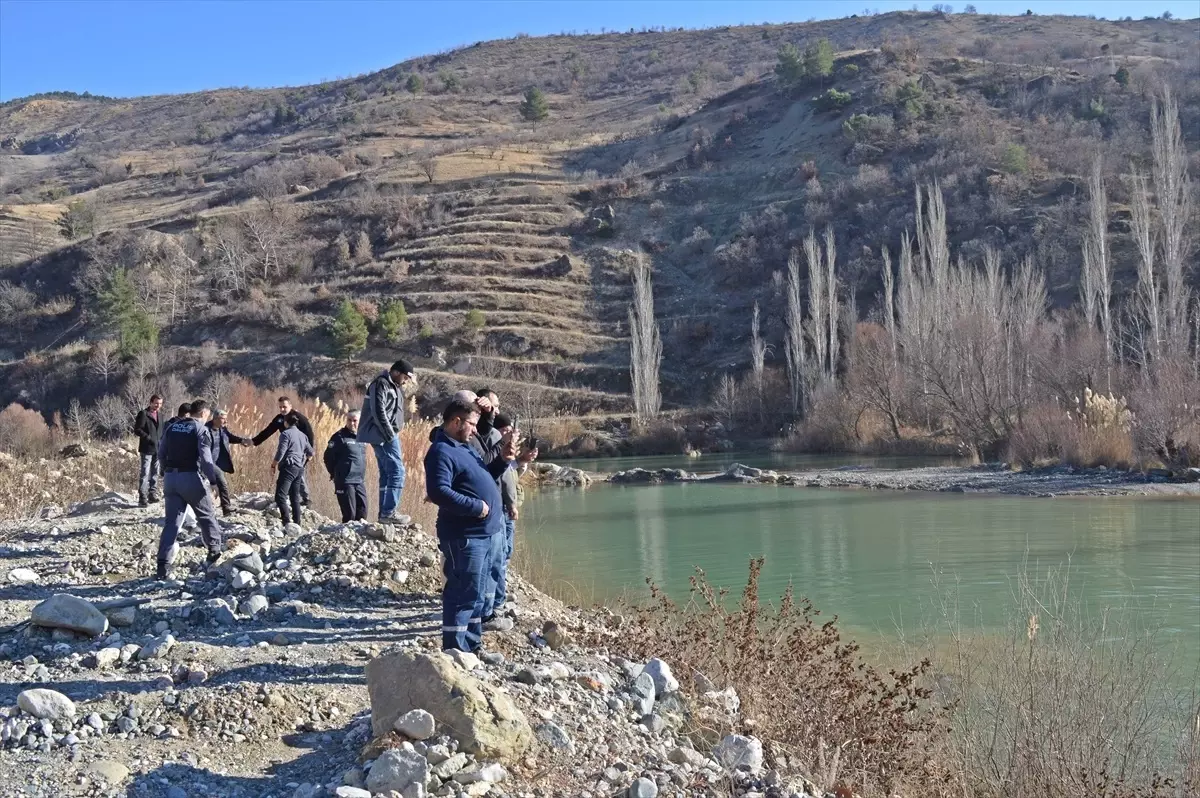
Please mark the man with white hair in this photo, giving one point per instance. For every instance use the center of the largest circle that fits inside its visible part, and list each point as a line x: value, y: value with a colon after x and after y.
x: 346, y: 461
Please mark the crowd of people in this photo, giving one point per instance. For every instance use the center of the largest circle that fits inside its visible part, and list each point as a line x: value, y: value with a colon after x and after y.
x: 472, y: 471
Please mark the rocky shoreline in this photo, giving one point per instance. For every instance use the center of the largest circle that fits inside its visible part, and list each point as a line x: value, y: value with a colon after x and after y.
x: 304, y: 663
x: 987, y: 479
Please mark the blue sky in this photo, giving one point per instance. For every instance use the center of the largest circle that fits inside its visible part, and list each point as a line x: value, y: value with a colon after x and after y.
x: 130, y: 47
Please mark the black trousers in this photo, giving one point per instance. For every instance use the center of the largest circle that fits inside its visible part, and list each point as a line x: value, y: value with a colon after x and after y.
x: 287, y: 492
x: 353, y: 501
x: 223, y: 492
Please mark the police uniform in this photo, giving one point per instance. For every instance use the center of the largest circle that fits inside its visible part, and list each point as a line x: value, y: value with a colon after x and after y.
x: 185, y: 451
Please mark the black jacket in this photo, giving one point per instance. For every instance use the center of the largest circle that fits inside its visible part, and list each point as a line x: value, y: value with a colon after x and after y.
x: 148, y: 430
x: 221, y: 440
x: 277, y: 424
x: 346, y: 459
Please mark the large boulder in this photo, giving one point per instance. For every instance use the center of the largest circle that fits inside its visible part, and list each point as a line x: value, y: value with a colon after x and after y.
x: 64, y: 611
x: 46, y: 704
x: 483, y: 719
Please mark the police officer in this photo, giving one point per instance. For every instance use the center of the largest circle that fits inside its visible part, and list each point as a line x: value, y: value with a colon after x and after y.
x: 186, y: 455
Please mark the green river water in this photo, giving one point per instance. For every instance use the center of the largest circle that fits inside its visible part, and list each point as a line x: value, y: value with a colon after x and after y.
x: 870, y: 556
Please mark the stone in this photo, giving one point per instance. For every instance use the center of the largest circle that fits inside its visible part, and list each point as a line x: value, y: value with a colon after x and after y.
x: 251, y: 563
x: 737, y: 751
x: 242, y: 579
x: 643, y: 693
x: 175, y: 791
x: 660, y: 672
x: 157, y: 647
x: 465, y: 660
x: 643, y: 788
x: 64, y: 611
x: 725, y: 700
x: 23, y: 576
x: 107, y: 657
x: 108, y: 770
x: 254, y: 605
x: 686, y: 756
x: 492, y: 774
x: 219, y: 612
x: 558, y: 670
x: 307, y: 790
x: 397, y: 769
x: 554, y: 736
x: 46, y: 704
x: 104, y: 503
x: 428, y: 559
x: 653, y: 723
x: 449, y: 766
x: 346, y: 791
x: 121, y: 616
x: 416, y: 724
x: 482, y: 718
x: 555, y: 638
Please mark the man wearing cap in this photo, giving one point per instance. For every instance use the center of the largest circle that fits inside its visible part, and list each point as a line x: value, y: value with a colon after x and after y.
x: 186, y: 455
x: 380, y: 424
x: 222, y: 454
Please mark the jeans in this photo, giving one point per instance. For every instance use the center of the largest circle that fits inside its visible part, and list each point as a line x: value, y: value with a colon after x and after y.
x: 184, y: 489
x: 223, y: 492
x: 466, y: 561
x: 148, y: 478
x: 287, y: 490
x: 496, y: 592
x: 353, y: 501
x: 391, y: 475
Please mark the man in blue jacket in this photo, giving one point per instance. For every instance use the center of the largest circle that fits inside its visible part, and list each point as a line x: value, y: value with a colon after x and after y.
x: 470, y: 513
x: 186, y: 454
x: 222, y: 454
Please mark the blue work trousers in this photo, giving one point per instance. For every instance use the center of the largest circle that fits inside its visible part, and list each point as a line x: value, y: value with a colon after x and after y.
x: 181, y: 490
x: 465, y: 567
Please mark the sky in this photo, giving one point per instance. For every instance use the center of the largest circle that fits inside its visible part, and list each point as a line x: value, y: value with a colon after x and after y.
x: 125, y: 48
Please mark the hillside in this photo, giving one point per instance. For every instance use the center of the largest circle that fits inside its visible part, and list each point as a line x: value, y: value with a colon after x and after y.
x: 246, y: 216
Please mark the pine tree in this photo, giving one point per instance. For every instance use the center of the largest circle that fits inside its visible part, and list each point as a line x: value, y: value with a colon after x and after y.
x: 534, y: 107
x: 393, y: 321
x: 818, y: 59
x: 135, y: 328
x: 349, y: 331
x: 790, y: 66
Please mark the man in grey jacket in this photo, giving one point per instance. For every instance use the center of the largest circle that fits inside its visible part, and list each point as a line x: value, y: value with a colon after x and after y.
x: 291, y: 457
x: 380, y: 425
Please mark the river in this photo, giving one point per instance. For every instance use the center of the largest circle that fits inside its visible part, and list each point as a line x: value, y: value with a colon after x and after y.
x: 871, y: 556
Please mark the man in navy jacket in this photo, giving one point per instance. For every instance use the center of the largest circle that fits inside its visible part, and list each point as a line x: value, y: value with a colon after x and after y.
x: 470, y: 513
x: 222, y: 455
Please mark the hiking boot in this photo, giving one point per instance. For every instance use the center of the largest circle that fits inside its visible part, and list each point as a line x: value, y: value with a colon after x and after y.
x: 155, y: 498
x: 489, y: 657
x: 212, y: 557
x: 143, y: 503
x: 163, y: 572
x: 498, y: 624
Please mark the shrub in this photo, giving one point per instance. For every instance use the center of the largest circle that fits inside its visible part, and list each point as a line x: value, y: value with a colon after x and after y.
x: 833, y: 100
x: 866, y: 127
x: 78, y: 220
x: 415, y: 83
x: 23, y: 431
x: 818, y: 59
x: 474, y: 320
x: 362, y: 247
x: 426, y: 331
x: 349, y: 330
x: 850, y: 70
x: 534, y: 107
x: 1122, y: 77
x: 393, y: 321
x: 1014, y: 160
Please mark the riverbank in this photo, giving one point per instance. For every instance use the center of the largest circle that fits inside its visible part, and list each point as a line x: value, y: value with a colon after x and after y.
x: 1046, y: 483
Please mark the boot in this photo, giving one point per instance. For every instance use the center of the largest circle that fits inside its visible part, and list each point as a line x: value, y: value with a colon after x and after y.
x: 164, y: 571
x: 213, y: 556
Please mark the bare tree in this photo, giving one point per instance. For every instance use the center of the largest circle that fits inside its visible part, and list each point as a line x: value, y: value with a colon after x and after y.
x: 1097, y: 271
x: 794, y: 348
x: 645, y: 343
x: 758, y: 349
x: 889, y: 299
x: 104, y: 361
x: 818, y: 304
x: 726, y: 401
x: 1173, y: 193
x: 1142, y: 228
x: 427, y: 165
x: 831, y: 303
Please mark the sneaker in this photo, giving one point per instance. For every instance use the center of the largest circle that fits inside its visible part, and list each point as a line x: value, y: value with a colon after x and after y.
x: 489, y: 657
x: 388, y: 520
x: 498, y: 624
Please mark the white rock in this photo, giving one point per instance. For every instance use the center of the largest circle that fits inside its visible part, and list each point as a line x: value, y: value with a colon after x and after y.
x: 664, y: 681
x: 64, y: 611
x: 157, y: 647
x: 255, y: 604
x: 107, y: 657
x: 242, y: 579
x: 465, y: 660
x: 417, y: 724
x: 351, y: 792
x: 396, y: 769
x: 48, y: 704
x: 643, y: 788
x: 492, y: 774
x: 727, y: 700
x: 23, y: 576
x: 739, y: 752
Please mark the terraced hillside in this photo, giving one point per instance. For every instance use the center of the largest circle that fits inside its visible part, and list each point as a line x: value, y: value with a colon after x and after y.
x: 245, y: 218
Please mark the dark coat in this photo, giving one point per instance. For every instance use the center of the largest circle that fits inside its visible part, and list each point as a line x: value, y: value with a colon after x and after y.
x: 382, y: 415
x: 276, y: 425
x: 222, y: 439
x: 346, y: 459
x: 148, y: 430
x: 458, y: 482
